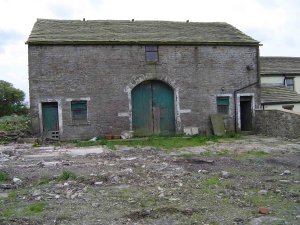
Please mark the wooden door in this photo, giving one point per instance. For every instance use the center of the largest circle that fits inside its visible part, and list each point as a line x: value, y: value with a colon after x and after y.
x: 246, y: 113
x: 50, y: 116
x: 153, y: 109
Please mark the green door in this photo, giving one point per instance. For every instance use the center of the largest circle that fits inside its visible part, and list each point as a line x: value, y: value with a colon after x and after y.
x: 153, y: 109
x: 50, y: 116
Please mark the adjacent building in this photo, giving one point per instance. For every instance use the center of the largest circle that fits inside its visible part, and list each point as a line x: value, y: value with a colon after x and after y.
x: 92, y: 78
x: 280, y: 83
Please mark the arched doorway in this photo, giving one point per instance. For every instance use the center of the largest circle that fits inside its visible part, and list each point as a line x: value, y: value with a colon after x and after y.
x: 153, y: 108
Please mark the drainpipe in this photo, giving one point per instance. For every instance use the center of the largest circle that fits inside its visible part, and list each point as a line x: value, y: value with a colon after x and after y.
x: 249, y: 85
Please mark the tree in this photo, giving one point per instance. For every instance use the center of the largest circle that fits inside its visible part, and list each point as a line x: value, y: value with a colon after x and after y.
x: 11, y: 99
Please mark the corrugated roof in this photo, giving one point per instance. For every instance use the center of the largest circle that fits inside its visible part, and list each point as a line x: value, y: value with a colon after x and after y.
x: 278, y: 94
x: 47, y: 31
x: 280, y: 65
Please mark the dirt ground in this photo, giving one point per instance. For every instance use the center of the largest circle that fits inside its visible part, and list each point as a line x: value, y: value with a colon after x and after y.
x: 218, y: 183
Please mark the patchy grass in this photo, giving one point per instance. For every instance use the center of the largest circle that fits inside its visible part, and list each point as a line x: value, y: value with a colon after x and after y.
x: 42, y: 181
x: 4, y: 176
x: 37, y: 207
x: 67, y: 175
x: 252, y: 154
x: 164, y: 142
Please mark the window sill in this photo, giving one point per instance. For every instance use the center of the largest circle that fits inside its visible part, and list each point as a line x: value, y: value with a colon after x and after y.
x: 151, y: 63
x: 80, y: 123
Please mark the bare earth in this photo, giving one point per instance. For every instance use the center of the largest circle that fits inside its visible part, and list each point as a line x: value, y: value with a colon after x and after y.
x: 219, y: 183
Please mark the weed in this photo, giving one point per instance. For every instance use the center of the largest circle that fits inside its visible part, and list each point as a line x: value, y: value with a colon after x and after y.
x: 187, y: 155
x: 12, y: 196
x: 43, y: 181
x: 252, y: 154
x: 37, y: 207
x: 4, y: 176
x: 7, y: 212
x: 224, y: 152
x: 67, y: 175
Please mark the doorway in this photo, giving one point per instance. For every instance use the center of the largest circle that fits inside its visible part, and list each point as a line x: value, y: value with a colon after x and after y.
x: 153, y: 109
x: 50, y: 116
x: 246, y: 113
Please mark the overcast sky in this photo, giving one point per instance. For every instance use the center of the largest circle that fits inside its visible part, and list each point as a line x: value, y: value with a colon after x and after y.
x: 275, y: 23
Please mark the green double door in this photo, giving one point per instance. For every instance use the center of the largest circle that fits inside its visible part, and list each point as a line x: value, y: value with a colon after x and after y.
x: 153, y: 109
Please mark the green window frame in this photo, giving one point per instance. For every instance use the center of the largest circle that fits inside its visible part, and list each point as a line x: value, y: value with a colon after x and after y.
x: 79, y: 110
x: 223, y: 105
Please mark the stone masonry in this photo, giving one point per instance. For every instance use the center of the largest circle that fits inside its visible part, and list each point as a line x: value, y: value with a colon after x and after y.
x: 104, y: 75
x: 278, y: 123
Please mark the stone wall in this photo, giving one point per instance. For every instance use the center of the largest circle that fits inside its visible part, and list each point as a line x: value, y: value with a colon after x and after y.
x: 278, y: 123
x: 106, y: 74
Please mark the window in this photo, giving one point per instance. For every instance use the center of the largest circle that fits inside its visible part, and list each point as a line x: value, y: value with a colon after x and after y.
x: 151, y: 53
x: 289, y: 82
x: 79, y: 110
x: 223, y: 105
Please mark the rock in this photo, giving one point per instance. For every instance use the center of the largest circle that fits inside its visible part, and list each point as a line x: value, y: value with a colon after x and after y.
x: 38, y: 198
x: 10, y: 153
x: 69, y: 193
x: 66, y: 184
x: 57, y: 196
x: 284, y: 181
x: 263, y: 210
x: 17, y: 180
x: 298, y: 217
x: 95, y: 205
x: 263, y: 192
x: 126, y: 134
x: 6, y: 186
x: 286, y: 172
x: 36, y: 193
x: 98, y: 183
x: 203, y: 171
x: 225, y: 174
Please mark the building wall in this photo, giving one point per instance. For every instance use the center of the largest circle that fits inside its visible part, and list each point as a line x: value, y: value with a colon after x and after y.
x: 279, y: 107
x: 279, y: 80
x: 105, y: 75
x: 280, y: 123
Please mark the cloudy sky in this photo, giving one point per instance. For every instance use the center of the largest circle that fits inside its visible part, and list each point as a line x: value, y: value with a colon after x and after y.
x: 275, y: 23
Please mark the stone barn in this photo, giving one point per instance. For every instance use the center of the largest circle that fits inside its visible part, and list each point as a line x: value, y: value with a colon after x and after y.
x: 92, y: 78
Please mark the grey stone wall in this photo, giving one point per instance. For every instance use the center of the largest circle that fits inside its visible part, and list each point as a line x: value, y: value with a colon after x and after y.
x: 107, y: 74
x: 278, y: 123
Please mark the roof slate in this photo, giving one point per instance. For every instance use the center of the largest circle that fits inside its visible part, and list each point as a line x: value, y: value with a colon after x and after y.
x: 279, y: 65
x: 47, y: 31
x: 278, y: 94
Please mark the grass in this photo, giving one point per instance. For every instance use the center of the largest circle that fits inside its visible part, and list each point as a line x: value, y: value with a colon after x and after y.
x: 67, y: 175
x: 252, y: 154
x: 37, y: 207
x: 4, y: 176
x: 164, y: 142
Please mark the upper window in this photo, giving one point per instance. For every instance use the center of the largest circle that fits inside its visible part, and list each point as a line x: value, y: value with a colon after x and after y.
x: 289, y: 82
x: 79, y: 110
x: 223, y: 105
x: 151, y: 53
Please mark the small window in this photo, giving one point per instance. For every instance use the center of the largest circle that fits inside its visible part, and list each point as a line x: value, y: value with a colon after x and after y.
x: 151, y: 53
x: 79, y: 110
x: 289, y: 82
x: 288, y: 107
x: 223, y: 105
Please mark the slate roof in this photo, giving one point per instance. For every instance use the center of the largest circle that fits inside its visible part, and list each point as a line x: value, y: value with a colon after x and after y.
x: 278, y: 94
x: 47, y: 31
x: 279, y: 65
